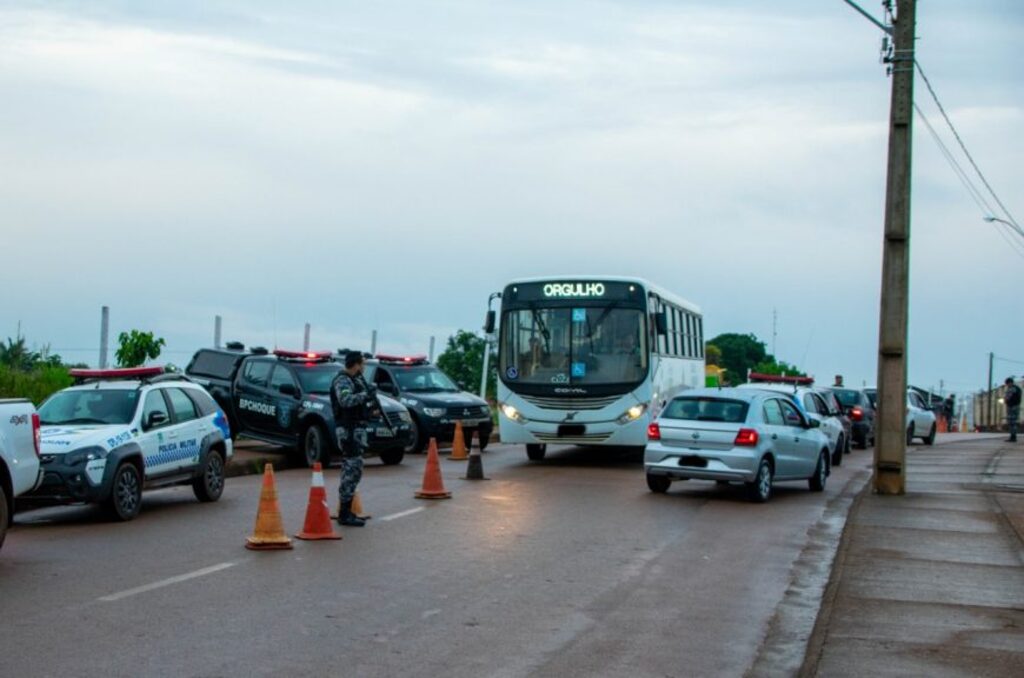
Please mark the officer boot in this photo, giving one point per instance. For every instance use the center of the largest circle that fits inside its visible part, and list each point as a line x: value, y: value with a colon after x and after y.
x: 347, y: 518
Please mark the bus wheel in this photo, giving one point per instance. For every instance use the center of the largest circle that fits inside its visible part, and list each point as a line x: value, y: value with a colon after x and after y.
x: 536, y: 452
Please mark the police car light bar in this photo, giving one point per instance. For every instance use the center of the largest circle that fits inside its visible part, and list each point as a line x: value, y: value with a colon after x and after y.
x: 779, y: 379
x: 303, y: 355
x: 407, y: 359
x: 117, y: 373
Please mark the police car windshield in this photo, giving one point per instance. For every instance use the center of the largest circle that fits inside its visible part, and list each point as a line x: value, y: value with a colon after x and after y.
x: 317, y: 378
x: 424, y: 379
x: 93, y: 406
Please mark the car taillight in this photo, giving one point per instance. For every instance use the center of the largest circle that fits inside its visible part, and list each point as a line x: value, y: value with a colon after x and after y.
x: 37, y: 438
x: 747, y: 437
x: 653, y: 431
x: 857, y: 414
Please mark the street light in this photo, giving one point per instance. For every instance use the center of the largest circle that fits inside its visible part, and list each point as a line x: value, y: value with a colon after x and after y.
x: 991, y: 219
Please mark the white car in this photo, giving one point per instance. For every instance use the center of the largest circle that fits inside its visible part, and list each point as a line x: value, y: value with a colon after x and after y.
x: 815, y: 407
x: 121, y: 431
x: 19, y: 455
x: 921, y: 422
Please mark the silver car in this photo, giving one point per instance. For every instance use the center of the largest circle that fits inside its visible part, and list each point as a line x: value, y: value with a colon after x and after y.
x: 752, y: 436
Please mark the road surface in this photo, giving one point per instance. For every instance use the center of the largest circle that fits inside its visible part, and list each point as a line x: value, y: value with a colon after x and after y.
x: 568, y: 567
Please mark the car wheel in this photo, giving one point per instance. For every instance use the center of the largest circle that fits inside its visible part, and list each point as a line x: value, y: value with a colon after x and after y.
x: 5, y: 516
x: 760, y: 490
x: 416, y: 442
x: 930, y: 439
x: 536, y: 452
x: 817, y: 481
x: 392, y: 457
x: 658, y: 484
x: 126, y: 494
x: 316, y: 446
x: 910, y: 435
x: 210, y: 485
x: 837, y: 456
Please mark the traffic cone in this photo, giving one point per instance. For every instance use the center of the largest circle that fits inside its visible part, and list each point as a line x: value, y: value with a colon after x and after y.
x: 318, y: 515
x: 963, y: 423
x: 475, y: 467
x: 269, y: 533
x: 433, y: 483
x: 458, y: 444
x: 943, y: 428
x: 357, y: 508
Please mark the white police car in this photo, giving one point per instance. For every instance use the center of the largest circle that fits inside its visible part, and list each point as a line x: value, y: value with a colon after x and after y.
x: 119, y: 431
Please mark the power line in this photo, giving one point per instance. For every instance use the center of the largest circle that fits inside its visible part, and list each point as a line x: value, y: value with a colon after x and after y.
x: 963, y: 147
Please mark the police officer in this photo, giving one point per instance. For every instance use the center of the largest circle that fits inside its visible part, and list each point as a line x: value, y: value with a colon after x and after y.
x: 353, y: 400
x: 1011, y: 398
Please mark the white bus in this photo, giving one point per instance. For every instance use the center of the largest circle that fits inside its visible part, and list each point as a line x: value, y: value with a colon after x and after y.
x: 590, y: 360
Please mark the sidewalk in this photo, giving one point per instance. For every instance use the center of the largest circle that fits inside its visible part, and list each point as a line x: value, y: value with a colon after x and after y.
x: 932, y: 583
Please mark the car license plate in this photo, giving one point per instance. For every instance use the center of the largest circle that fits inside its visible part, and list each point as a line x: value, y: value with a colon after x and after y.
x: 385, y: 433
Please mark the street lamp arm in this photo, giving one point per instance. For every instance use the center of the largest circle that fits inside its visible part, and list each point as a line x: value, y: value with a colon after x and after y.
x: 864, y: 13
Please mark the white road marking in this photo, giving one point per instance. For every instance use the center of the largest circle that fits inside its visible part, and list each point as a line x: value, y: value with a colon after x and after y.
x: 401, y: 514
x: 166, y: 582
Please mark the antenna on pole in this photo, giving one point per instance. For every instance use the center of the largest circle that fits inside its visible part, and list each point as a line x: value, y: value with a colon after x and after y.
x: 775, y: 331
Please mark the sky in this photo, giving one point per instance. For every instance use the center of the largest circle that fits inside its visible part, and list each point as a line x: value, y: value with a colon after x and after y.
x: 386, y: 166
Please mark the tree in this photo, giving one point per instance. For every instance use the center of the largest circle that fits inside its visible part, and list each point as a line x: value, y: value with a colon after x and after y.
x: 739, y: 353
x: 772, y: 367
x: 16, y: 355
x: 137, y: 347
x: 712, y: 355
x: 463, y: 359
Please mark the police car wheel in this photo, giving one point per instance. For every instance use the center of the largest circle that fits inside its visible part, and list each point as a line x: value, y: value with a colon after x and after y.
x: 314, y: 446
x: 392, y: 457
x: 126, y: 494
x: 4, y: 517
x: 536, y: 452
x: 837, y: 457
x: 416, y: 442
x: 210, y: 485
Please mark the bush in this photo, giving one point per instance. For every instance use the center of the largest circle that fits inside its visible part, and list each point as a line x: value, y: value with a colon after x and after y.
x: 36, y: 384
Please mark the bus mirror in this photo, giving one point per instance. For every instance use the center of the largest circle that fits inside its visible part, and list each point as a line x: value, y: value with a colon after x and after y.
x: 489, y: 323
x: 661, y: 323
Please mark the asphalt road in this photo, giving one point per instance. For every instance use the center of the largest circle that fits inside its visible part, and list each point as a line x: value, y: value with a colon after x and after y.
x: 568, y: 567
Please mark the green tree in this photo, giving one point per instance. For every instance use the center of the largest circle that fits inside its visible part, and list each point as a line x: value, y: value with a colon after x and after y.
x: 463, y: 359
x: 739, y: 353
x: 16, y: 355
x: 770, y: 366
x: 136, y: 347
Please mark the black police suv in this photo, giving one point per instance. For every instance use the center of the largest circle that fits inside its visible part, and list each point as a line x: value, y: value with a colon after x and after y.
x: 284, y: 398
x: 435, y: 403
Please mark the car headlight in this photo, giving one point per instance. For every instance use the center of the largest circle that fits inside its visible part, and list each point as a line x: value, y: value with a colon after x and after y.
x: 435, y: 412
x: 633, y: 413
x: 404, y: 416
x: 512, y: 413
x: 84, y: 456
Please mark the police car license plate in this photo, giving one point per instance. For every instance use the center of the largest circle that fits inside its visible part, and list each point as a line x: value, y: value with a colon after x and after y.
x: 383, y: 432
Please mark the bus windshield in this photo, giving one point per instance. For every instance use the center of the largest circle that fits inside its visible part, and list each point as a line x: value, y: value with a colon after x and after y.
x: 582, y: 345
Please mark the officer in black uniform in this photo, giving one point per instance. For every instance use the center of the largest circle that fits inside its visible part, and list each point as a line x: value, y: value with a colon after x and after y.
x: 353, y: 401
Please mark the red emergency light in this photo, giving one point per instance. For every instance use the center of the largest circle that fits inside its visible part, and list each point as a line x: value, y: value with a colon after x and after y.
x: 303, y: 355
x: 117, y: 373
x: 779, y: 379
x: 407, y: 359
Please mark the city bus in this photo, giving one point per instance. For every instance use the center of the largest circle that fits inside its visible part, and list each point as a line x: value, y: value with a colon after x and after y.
x: 590, y: 360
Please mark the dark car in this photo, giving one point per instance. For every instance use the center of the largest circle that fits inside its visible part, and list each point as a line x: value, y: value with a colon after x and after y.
x: 284, y: 398
x: 435, y: 402
x: 860, y: 407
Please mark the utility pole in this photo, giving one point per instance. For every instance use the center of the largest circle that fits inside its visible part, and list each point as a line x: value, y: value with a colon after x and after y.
x: 104, y: 335
x: 990, y: 414
x: 305, y: 338
x: 891, y: 450
x: 216, y: 331
x: 430, y: 355
x: 373, y: 343
x: 775, y: 331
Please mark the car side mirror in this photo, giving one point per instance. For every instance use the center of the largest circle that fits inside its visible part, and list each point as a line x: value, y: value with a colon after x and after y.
x: 813, y: 423
x: 288, y: 389
x: 490, y: 322
x: 156, y: 419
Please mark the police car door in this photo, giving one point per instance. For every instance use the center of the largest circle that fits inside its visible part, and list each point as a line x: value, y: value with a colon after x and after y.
x: 156, y: 440
x: 187, y: 431
x: 255, y: 407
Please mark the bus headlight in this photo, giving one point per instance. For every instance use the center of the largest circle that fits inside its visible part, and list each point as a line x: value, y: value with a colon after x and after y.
x: 633, y: 413
x: 512, y: 413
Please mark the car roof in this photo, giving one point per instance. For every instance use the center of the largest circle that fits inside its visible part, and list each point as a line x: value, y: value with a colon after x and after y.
x: 130, y: 384
x: 726, y: 393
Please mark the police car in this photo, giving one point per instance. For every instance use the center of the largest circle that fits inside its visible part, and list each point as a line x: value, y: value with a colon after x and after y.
x: 433, y: 399
x: 120, y: 431
x: 283, y: 397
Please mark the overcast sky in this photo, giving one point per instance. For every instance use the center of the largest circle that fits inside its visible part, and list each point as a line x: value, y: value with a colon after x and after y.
x: 387, y: 165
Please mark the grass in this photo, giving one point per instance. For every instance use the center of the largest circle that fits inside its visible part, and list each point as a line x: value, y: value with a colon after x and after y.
x: 37, y: 385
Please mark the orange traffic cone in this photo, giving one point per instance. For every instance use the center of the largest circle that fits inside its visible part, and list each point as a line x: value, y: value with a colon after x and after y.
x: 269, y: 533
x: 433, y: 483
x: 458, y: 444
x: 943, y: 428
x: 318, y: 515
x: 357, y: 508
x: 475, y: 467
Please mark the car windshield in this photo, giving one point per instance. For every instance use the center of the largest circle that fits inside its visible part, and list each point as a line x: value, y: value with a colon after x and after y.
x: 317, y: 378
x: 693, y: 408
x: 92, y: 406
x: 584, y: 345
x: 423, y: 379
x: 848, y: 397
